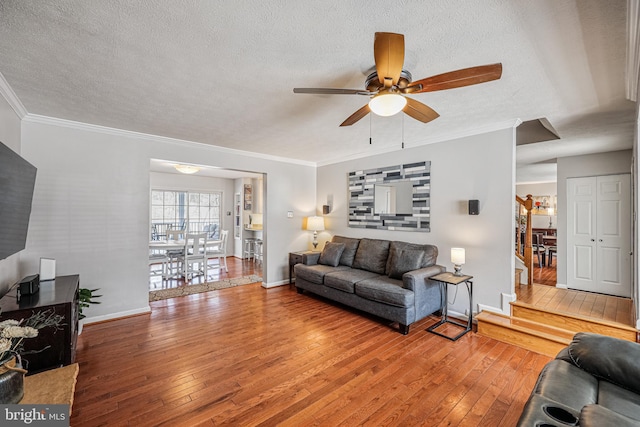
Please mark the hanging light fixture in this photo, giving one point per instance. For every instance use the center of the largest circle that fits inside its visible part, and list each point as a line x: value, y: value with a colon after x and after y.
x: 188, y: 169
x: 387, y: 103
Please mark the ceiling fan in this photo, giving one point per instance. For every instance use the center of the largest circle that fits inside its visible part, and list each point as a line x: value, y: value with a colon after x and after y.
x: 388, y: 85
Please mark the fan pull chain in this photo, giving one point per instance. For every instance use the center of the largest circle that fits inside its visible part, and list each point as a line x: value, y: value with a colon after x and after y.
x: 403, y: 131
x: 370, y: 128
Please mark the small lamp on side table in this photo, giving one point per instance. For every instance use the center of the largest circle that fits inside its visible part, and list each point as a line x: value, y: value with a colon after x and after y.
x: 457, y: 258
x: 315, y: 224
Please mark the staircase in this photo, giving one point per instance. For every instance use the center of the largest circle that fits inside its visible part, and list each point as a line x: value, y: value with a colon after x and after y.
x: 543, y: 331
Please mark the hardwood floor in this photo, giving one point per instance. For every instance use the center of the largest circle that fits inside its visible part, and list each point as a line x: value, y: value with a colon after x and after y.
x: 237, y: 268
x: 254, y: 356
x: 597, y: 306
x: 545, y: 275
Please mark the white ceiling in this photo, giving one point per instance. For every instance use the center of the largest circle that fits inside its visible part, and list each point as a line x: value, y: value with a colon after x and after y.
x: 222, y: 73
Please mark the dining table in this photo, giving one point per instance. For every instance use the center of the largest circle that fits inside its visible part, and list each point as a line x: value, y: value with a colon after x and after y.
x: 177, y: 245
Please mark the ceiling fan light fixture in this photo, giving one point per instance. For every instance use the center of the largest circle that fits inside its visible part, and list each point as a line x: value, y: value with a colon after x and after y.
x: 387, y: 104
x: 188, y: 169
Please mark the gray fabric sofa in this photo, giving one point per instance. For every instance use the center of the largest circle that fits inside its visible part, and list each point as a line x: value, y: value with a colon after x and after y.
x: 593, y: 382
x: 389, y: 279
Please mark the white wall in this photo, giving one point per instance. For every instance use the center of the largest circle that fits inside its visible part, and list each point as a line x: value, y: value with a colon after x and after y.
x: 91, y: 205
x: 542, y: 189
x: 458, y: 174
x: 9, y: 136
x: 611, y: 163
x: 172, y: 181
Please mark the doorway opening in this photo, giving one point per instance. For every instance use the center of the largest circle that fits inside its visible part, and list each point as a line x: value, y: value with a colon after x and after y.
x: 204, y: 202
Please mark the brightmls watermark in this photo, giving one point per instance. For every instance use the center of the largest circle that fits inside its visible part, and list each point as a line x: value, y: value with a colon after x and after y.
x: 34, y: 415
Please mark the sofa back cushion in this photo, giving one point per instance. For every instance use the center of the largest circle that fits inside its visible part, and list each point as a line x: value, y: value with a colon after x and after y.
x: 404, y: 260
x: 350, y: 248
x: 607, y: 358
x: 372, y: 255
x: 331, y: 254
x: 428, y: 259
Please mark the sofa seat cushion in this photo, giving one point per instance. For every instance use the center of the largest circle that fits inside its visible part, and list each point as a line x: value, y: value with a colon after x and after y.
x: 344, y: 280
x: 372, y: 255
x: 315, y: 273
x: 619, y: 400
x: 385, y: 290
x: 599, y: 416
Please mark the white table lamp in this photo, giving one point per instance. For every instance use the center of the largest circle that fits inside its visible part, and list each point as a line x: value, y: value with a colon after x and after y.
x: 315, y: 223
x: 457, y: 258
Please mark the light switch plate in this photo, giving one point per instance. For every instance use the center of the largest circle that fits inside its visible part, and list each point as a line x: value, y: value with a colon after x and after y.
x: 289, y: 214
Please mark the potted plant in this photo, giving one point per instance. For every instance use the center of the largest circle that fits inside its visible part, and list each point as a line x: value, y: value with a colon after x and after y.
x: 85, y: 299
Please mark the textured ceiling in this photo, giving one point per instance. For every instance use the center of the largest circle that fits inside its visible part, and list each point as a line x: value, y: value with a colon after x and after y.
x: 222, y: 73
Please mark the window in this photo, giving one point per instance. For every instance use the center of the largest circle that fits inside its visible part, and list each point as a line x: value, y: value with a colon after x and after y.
x: 195, y: 212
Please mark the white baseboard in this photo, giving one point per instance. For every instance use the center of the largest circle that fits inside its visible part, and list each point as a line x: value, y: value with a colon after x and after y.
x: 275, y: 284
x: 112, y: 316
x: 561, y: 286
x: 506, y: 307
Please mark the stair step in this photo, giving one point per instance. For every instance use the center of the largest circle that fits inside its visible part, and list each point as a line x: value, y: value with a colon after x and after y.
x: 534, y: 336
x: 572, y: 322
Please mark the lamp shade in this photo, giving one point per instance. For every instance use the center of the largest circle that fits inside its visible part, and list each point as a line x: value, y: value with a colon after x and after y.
x: 457, y: 256
x: 315, y: 223
x: 387, y: 104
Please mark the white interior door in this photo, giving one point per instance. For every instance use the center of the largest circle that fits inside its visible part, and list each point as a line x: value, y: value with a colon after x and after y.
x: 599, y: 234
x: 581, y: 233
x: 614, y: 235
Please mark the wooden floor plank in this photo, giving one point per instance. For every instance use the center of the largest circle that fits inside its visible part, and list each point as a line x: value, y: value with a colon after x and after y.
x: 253, y: 356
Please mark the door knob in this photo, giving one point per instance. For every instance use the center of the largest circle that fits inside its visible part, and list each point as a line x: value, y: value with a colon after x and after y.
x: 593, y: 240
x: 599, y: 240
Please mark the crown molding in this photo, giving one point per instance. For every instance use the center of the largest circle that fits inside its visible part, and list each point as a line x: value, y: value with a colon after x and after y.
x: 448, y: 137
x: 35, y: 118
x: 7, y: 93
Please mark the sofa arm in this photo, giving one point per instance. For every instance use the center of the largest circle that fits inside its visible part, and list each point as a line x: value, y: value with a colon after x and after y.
x: 607, y: 358
x: 412, y: 279
x: 311, y: 258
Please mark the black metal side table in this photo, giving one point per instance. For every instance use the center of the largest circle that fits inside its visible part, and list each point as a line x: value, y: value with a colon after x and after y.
x: 445, y: 280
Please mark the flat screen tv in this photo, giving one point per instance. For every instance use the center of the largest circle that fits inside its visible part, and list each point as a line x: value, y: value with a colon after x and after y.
x: 17, y: 181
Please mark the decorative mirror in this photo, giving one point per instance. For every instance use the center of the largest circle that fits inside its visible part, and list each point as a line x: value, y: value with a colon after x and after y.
x: 391, y: 198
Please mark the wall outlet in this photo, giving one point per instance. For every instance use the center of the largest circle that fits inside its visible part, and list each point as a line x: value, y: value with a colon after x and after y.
x: 289, y: 214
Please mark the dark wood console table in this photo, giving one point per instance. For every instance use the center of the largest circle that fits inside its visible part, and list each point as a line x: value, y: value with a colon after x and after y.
x: 60, y: 296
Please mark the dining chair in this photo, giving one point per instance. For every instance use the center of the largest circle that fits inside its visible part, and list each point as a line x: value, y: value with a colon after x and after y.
x: 174, y: 268
x: 219, y: 250
x: 552, y: 251
x: 538, y: 248
x: 158, y: 258
x: 193, y: 253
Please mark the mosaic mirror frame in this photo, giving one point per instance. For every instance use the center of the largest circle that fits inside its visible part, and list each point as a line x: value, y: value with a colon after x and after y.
x: 362, y: 186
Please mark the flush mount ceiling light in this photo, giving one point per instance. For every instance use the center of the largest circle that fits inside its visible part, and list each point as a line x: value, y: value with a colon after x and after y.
x: 387, y: 104
x: 188, y: 169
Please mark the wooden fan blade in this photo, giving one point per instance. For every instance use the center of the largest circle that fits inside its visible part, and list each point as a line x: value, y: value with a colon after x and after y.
x: 330, y: 91
x: 458, y: 78
x: 388, y: 51
x: 357, y: 116
x: 419, y: 111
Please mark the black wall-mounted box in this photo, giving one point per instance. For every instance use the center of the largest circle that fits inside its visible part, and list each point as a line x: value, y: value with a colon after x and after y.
x: 474, y: 207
